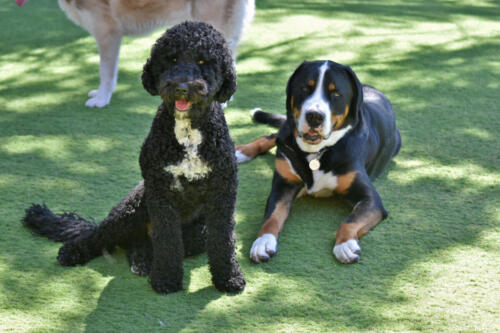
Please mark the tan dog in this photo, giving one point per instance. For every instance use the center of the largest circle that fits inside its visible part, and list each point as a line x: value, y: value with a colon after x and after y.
x: 109, y: 20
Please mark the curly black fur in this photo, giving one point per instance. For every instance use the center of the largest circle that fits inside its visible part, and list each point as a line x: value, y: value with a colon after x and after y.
x: 190, y: 64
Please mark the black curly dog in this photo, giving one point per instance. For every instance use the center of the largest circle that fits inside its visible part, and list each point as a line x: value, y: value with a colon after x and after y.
x: 185, y: 204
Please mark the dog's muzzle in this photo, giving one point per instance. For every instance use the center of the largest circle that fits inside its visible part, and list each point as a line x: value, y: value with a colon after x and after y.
x: 184, y: 93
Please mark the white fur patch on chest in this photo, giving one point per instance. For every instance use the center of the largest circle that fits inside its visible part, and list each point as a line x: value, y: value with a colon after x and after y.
x: 192, y: 167
x: 323, y: 182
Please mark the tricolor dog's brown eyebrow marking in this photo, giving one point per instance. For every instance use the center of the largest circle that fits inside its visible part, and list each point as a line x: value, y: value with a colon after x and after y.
x: 283, y: 168
x: 338, y: 120
x: 331, y: 87
x: 311, y: 83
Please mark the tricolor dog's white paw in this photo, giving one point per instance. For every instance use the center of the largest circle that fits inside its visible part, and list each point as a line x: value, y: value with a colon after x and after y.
x: 264, y: 248
x: 347, y: 252
x: 241, y: 158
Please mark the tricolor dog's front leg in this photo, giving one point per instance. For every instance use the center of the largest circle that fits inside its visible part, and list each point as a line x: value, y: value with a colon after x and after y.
x: 280, y: 199
x: 368, y: 211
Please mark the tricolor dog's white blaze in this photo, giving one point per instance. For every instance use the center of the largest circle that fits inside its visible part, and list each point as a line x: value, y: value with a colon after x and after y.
x: 192, y: 167
x: 318, y: 102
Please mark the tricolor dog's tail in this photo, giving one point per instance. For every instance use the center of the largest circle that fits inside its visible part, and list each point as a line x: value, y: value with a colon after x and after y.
x: 273, y: 119
x: 58, y: 227
x: 263, y: 144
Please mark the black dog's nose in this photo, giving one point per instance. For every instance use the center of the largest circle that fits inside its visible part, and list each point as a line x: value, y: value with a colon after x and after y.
x: 181, y: 89
x: 314, y: 119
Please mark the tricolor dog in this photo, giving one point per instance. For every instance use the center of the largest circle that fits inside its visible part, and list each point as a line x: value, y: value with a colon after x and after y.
x: 338, y: 135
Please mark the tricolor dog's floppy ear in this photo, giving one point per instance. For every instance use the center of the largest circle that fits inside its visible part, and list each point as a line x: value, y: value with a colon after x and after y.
x: 357, y: 97
x: 229, y: 84
x: 148, y: 78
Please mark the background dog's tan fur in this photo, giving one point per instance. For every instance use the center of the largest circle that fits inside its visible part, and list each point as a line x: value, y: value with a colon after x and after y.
x: 109, y: 20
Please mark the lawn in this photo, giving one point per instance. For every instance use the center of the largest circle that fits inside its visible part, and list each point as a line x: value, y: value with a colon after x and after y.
x: 432, y: 265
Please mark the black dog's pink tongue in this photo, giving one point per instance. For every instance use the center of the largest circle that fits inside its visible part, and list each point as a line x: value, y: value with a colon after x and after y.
x: 182, y: 104
x: 21, y: 2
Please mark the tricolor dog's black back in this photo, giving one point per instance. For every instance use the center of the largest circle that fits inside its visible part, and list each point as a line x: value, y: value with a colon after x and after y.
x: 338, y: 135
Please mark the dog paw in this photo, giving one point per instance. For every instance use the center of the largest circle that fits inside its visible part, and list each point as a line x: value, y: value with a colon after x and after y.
x: 140, y: 268
x: 235, y: 284
x: 165, y: 287
x: 347, y: 252
x: 70, y: 254
x: 241, y: 158
x: 98, y: 99
x: 264, y: 248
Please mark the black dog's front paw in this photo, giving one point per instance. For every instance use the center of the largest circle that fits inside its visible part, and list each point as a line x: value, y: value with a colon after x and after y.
x: 165, y: 287
x: 71, y: 254
x: 233, y: 284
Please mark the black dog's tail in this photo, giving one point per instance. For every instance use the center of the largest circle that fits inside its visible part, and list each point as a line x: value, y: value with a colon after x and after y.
x: 273, y: 119
x: 58, y: 227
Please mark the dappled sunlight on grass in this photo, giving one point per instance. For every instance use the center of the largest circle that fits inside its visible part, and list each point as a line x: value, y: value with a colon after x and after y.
x: 431, y: 265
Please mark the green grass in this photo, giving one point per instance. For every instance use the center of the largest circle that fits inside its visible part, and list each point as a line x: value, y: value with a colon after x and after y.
x: 433, y: 265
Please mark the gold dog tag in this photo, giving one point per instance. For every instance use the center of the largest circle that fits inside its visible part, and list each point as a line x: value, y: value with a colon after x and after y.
x: 314, y: 164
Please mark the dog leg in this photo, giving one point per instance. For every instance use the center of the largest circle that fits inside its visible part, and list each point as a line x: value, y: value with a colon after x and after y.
x: 278, y: 206
x: 168, y: 251
x: 226, y: 272
x: 368, y: 211
x: 124, y: 224
x: 140, y: 256
x: 249, y: 151
x: 108, y: 42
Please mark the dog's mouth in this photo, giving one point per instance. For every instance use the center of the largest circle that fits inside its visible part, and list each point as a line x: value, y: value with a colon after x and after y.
x: 312, y: 137
x: 182, y: 105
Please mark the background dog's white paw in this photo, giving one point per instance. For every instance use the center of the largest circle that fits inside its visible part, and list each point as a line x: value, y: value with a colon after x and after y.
x: 264, y: 248
x: 92, y: 93
x: 99, y: 99
x: 241, y: 158
x: 347, y: 252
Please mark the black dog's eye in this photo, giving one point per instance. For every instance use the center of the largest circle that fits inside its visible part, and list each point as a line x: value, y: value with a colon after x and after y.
x: 201, y: 62
x: 336, y: 93
x: 306, y: 89
x: 174, y: 59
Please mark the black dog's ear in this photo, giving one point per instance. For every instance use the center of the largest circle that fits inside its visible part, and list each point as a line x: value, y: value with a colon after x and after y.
x: 149, y: 78
x: 357, y: 97
x: 229, y: 84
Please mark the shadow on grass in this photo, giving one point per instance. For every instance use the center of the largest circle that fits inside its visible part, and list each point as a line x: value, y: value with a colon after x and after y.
x: 446, y: 107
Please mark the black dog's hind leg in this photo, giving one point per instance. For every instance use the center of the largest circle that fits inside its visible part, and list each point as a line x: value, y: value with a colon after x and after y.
x: 194, y: 238
x: 226, y: 272
x: 124, y: 224
x: 140, y: 256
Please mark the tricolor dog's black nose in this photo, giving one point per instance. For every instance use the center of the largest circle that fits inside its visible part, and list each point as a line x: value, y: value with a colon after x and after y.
x: 314, y: 119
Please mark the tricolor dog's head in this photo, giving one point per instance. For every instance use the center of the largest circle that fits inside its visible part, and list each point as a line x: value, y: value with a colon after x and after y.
x: 190, y: 66
x: 323, y: 101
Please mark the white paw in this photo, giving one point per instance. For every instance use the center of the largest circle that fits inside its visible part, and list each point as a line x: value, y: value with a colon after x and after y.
x: 99, y: 100
x: 92, y: 93
x: 347, y: 252
x: 241, y: 158
x: 264, y: 248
